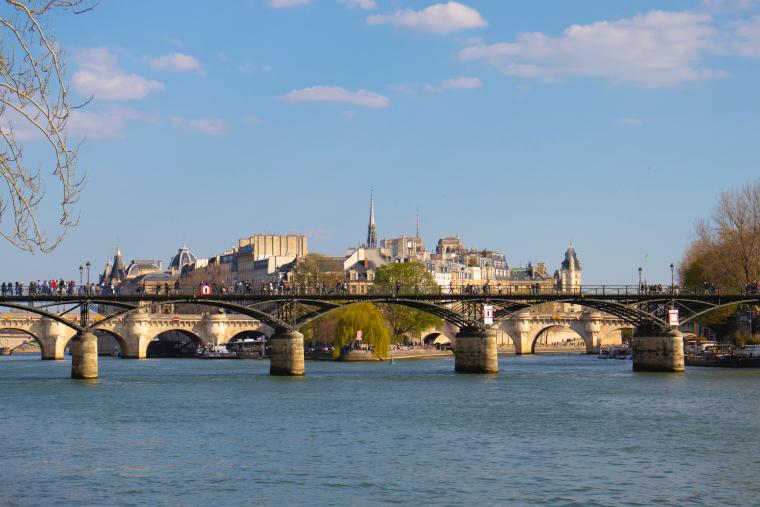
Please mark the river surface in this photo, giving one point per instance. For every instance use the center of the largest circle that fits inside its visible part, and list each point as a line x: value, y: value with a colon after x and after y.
x: 550, y: 430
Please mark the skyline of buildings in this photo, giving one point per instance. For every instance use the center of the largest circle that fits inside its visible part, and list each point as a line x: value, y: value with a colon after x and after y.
x: 281, y: 260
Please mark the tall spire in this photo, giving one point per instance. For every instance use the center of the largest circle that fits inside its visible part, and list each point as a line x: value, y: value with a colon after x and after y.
x: 372, y: 229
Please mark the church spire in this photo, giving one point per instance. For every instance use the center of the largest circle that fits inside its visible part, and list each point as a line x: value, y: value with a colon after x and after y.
x: 418, y: 223
x: 372, y: 229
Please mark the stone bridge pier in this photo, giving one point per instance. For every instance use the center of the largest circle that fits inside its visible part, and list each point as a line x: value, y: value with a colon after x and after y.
x: 475, y: 351
x: 287, y: 354
x: 653, y: 351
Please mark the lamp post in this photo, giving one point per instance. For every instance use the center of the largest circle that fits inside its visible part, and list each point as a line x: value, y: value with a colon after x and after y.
x: 672, y: 278
x: 88, y: 277
x: 641, y: 280
x: 81, y: 269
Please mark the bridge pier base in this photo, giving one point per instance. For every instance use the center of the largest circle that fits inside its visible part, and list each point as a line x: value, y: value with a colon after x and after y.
x: 287, y: 355
x: 658, y: 353
x: 6, y: 351
x: 475, y: 351
x: 84, y: 356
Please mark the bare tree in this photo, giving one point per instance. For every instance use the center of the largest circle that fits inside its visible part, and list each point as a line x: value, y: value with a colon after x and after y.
x: 737, y: 221
x: 726, y: 248
x: 34, y: 104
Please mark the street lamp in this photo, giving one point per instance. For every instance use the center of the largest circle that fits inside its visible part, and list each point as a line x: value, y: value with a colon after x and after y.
x: 81, y: 269
x: 88, y: 276
x: 672, y: 278
x: 641, y: 280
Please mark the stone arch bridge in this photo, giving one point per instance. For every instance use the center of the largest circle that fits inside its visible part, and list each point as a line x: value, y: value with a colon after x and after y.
x: 475, y: 343
x: 133, y: 332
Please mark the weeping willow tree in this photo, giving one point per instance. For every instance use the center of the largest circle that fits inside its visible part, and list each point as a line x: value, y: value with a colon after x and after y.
x: 368, y: 319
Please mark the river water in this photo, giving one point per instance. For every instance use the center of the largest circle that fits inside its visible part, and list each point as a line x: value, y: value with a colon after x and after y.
x: 550, y: 430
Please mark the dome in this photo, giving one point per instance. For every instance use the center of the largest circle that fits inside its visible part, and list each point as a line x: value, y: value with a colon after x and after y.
x: 571, y: 259
x: 183, y: 258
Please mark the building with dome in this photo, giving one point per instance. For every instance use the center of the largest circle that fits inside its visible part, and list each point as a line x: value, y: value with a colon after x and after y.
x: 183, y: 257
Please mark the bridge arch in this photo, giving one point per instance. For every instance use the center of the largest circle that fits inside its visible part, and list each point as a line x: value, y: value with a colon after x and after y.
x: 278, y: 325
x: 44, y: 313
x: 123, y: 346
x: 535, y: 339
x: 185, y: 347
x: 632, y: 314
x: 242, y: 335
x: 29, y: 335
x: 750, y: 301
x: 446, y: 314
x: 437, y: 338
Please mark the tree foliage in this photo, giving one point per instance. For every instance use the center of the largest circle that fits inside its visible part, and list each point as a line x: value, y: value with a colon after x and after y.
x: 367, y: 318
x: 34, y: 104
x: 317, y: 273
x: 413, y: 278
x: 726, y: 248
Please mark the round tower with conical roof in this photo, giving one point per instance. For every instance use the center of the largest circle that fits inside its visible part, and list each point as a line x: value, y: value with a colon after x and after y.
x: 570, y: 273
x: 118, y: 269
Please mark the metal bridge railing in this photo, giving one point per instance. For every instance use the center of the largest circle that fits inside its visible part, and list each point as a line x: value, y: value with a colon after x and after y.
x: 490, y: 289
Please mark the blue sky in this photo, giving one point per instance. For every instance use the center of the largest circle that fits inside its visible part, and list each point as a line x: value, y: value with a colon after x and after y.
x: 519, y: 125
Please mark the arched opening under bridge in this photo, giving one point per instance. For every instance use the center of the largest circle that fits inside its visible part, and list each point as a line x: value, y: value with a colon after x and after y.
x: 558, y: 339
x: 438, y: 340
x: 14, y: 341
x: 109, y: 343
x: 173, y: 343
x: 248, y: 344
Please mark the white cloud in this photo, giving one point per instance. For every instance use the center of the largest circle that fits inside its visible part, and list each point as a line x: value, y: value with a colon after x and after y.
x: 363, y: 98
x: 367, y: 5
x: 108, y: 124
x: 286, y: 4
x: 177, y: 62
x: 454, y: 84
x: 459, y: 83
x: 651, y: 50
x: 209, y: 126
x: 99, y: 74
x: 637, y: 122
x: 437, y: 18
x: 747, y: 38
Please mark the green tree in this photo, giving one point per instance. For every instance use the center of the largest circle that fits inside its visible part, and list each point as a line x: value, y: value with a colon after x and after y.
x: 368, y: 319
x: 723, y: 321
x: 413, y: 278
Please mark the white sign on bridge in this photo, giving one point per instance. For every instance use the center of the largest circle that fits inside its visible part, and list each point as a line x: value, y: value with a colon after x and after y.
x: 487, y: 315
x: 673, y: 319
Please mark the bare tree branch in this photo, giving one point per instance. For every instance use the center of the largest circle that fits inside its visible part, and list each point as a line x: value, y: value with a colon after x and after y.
x: 34, y: 103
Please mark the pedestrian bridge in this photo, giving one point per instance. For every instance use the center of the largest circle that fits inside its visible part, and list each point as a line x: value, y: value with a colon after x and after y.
x: 657, y: 345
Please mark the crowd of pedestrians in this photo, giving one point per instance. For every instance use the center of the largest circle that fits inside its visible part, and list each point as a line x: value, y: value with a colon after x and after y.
x: 653, y: 289
x: 752, y: 288
x: 42, y: 288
